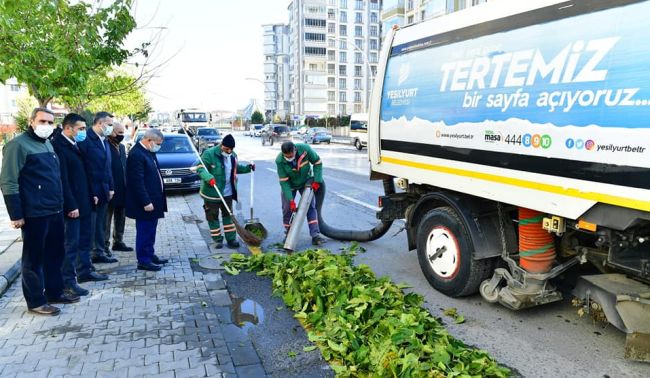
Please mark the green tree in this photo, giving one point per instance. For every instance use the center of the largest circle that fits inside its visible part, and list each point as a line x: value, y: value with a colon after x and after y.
x: 257, y: 117
x: 54, y: 46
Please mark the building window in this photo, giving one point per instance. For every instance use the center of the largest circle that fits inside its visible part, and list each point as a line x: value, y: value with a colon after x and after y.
x: 13, y: 103
x: 343, y: 70
x: 357, y: 108
x: 343, y: 17
x: 15, y: 88
x: 373, y: 57
x: 342, y: 109
x: 344, y: 3
x: 331, y: 14
x: 357, y: 96
x: 314, y: 23
x: 374, y: 18
x: 331, y: 69
x: 342, y: 97
x: 331, y: 83
x: 409, y: 5
x: 358, y: 5
x: 374, y: 31
x: 331, y: 43
x: 359, y: 43
x: 357, y: 84
x: 343, y: 30
x: 331, y: 96
x: 342, y: 83
x: 423, y: 15
x: 374, y: 4
x: 343, y: 57
x: 331, y: 109
x: 343, y: 44
x: 331, y: 28
x: 315, y: 50
x: 357, y: 71
x: 358, y: 59
x: 409, y: 20
x: 315, y: 37
x: 358, y: 18
x: 331, y: 55
x: 373, y: 69
x: 358, y: 31
x: 373, y: 44
x: 313, y: 67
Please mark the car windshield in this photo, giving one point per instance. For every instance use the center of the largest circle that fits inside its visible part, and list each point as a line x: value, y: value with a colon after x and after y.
x: 175, y: 145
x: 208, y: 132
x: 194, y: 117
x: 359, y: 125
x: 258, y: 127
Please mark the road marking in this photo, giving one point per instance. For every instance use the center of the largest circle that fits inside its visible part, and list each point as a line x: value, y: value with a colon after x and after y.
x: 272, y: 170
x: 354, y: 200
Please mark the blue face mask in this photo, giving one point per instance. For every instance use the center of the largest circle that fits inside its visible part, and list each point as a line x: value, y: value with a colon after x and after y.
x: 81, y: 136
x: 155, y: 148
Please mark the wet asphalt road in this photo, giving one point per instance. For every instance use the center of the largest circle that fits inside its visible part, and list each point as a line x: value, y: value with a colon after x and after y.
x: 547, y: 341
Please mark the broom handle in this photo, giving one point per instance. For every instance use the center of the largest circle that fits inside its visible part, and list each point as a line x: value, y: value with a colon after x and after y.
x: 252, y: 183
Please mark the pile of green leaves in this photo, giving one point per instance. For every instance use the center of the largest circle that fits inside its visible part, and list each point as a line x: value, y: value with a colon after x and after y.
x: 364, y: 325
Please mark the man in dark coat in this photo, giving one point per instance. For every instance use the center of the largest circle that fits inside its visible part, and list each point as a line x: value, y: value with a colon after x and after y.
x: 30, y: 180
x: 116, y: 205
x: 97, y: 156
x: 146, y: 202
x: 77, y: 206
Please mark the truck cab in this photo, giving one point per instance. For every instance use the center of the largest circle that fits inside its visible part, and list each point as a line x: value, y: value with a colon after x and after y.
x: 193, y: 118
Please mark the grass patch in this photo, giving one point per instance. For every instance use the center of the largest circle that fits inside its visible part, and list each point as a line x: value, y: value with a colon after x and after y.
x: 363, y: 325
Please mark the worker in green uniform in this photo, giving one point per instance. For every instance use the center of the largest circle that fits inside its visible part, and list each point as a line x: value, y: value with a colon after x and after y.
x: 299, y: 166
x: 221, y: 169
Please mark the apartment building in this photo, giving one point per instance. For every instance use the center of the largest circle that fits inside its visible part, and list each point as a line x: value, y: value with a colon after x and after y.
x: 9, y: 94
x: 407, y: 12
x: 276, y: 70
x: 334, y: 49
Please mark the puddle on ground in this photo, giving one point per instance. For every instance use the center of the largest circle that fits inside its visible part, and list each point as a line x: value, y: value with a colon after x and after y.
x: 246, y: 313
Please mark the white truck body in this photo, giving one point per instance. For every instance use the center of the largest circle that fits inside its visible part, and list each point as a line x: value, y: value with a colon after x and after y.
x: 551, y: 114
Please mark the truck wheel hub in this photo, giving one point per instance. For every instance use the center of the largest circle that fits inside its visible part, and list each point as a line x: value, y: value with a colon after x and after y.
x: 442, y: 252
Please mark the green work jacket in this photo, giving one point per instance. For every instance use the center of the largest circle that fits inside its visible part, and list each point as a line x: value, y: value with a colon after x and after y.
x: 307, y: 165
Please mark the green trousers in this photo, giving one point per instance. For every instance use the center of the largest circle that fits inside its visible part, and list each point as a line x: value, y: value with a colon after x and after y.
x: 212, y: 210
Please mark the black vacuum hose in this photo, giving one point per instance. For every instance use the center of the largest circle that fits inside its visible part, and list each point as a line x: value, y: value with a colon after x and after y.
x: 349, y: 235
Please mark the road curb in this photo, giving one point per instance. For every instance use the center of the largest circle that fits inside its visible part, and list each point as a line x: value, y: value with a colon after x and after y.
x: 13, y: 271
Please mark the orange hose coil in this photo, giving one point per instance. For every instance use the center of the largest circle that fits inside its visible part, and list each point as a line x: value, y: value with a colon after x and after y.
x: 536, y: 245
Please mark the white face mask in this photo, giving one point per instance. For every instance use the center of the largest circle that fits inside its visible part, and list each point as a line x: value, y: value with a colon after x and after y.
x: 108, y: 131
x: 155, y: 147
x: 289, y: 160
x: 43, y: 131
x: 225, y: 154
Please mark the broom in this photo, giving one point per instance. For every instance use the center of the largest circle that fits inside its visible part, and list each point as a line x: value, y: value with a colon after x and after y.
x: 247, y: 236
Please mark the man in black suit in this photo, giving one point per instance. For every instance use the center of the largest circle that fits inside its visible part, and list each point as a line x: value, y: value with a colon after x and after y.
x: 115, y: 211
x: 97, y: 155
x: 146, y: 202
x: 77, y: 207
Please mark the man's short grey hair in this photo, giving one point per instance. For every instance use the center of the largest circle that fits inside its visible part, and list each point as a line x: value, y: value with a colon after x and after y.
x: 117, y: 125
x: 153, y: 134
x: 39, y: 109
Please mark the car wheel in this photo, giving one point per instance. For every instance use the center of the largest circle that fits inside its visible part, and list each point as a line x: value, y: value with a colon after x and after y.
x: 358, y: 145
x: 445, y: 253
x: 329, y: 141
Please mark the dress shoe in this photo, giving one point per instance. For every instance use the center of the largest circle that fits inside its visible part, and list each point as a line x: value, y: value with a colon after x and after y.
x: 45, y: 309
x: 92, y: 276
x: 317, y: 240
x: 65, y: 298
x: 233, y: 244
x: 122, y: 247
x: 103, y: 260
x: 157, y: 260
x: 218, y: 245
x: 75, y: 289
x: 150, y: 267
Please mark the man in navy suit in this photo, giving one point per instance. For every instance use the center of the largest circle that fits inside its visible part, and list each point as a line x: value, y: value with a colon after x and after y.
x: 116, y: 205
x: 77, y: 206
x: 97, y: 155
x: 146, y: 202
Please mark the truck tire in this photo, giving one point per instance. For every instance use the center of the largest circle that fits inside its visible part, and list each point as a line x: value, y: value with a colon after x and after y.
x: 454, y: 272
x: 358, y: 145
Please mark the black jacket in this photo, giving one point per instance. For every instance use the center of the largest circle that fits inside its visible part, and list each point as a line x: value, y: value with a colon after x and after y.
x: 30, y: 178
x: 144, y: 184
x: 118, y: 169
x: 76, y: 188
x: 98, y: 166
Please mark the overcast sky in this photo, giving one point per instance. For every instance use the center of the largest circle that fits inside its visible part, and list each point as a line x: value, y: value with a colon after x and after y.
x: 215, y: 45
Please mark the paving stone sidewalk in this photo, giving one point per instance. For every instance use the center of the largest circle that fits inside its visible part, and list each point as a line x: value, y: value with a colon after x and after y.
x: 10, y: 247
x: 172, y: 323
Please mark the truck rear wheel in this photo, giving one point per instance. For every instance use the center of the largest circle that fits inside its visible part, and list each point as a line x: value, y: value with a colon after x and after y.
x: 445, y: 253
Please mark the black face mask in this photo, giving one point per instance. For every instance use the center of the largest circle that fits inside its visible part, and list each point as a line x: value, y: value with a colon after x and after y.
x: 118, y: 138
